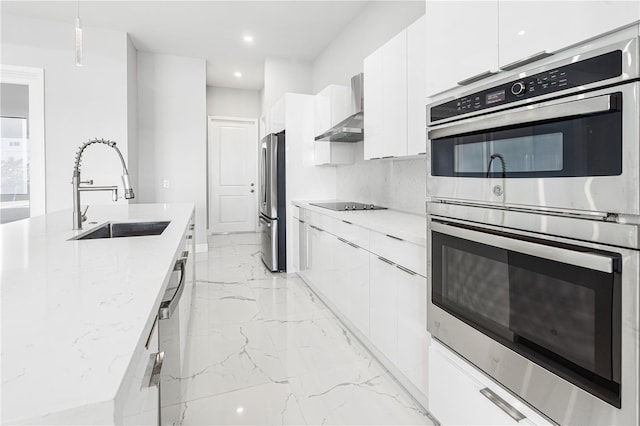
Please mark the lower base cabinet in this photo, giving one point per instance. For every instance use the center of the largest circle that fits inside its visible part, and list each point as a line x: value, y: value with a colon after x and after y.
x: 413, y: 338
x: 460, y: 395
x: 384, y: 301
x: 138, y: 402
x: 354, y: 270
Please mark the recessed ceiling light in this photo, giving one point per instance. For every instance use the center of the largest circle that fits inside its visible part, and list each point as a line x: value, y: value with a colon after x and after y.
x: 521, y: 32
x: 238, y: 74
x: 248, y: 39
x: 239, y: 410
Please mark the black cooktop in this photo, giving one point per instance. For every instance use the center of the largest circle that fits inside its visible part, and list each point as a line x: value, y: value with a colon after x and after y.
x: 347, y: 206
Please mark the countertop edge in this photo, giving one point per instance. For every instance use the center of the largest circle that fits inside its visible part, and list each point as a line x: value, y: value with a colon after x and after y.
x: 419, y: 237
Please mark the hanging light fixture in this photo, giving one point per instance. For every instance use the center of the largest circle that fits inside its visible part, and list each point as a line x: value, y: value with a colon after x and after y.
x: 78, y: 37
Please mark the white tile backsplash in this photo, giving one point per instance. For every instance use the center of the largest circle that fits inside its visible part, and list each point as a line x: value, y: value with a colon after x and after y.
x: 397, y: 184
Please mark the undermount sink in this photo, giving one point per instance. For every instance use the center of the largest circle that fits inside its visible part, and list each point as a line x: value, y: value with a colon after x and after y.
x: 124, y: 229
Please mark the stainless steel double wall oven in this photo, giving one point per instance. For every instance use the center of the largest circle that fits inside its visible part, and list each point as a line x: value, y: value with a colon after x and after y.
x: 533, y: 209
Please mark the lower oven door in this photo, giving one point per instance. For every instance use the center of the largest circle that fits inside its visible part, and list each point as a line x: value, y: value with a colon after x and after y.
x: 537, y: 313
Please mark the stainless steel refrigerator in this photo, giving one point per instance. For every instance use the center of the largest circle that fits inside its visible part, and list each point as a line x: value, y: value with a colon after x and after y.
x: 273, y: 216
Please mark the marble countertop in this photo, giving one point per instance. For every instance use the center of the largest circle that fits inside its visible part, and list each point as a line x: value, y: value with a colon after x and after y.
x: 75, y: 312
x: 408, y: 226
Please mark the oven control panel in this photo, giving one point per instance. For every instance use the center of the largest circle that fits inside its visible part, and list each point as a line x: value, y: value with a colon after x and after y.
x: 576, y: 74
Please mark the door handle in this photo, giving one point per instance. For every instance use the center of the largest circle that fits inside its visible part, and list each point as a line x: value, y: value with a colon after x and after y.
x: 529, y: 114
x: 583, y: 259
x: 151, y: 376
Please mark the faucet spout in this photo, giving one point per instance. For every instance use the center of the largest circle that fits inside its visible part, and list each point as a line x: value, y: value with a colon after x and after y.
x: 78, y: 217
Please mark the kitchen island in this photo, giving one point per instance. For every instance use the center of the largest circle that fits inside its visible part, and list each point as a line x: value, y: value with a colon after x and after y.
x: 77, y: 314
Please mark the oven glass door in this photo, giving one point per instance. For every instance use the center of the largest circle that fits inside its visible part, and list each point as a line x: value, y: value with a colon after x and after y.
x: 556, y: 304
x: 557, y: 142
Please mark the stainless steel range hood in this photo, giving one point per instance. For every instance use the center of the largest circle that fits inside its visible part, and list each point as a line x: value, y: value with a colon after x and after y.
x: 351, y: 129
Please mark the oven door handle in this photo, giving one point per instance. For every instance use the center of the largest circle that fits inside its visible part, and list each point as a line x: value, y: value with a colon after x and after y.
x: 586, y: 260
x: 527, y: 114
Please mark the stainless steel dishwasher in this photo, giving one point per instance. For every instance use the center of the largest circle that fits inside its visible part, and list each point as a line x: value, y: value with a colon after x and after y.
x: 169, y: 342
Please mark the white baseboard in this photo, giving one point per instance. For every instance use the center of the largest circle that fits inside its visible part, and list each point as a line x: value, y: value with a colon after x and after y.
x: 202, y: 248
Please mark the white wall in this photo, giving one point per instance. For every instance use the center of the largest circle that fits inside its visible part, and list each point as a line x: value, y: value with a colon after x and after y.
x: 227, y: 102
x: 285, y: 76
x: 378, y: 22
x: 172, y: 117
x: 81, y: 103
x: 398, y: 184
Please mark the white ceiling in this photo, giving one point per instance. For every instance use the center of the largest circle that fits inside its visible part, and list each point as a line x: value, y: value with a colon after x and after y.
x: 213, y: 30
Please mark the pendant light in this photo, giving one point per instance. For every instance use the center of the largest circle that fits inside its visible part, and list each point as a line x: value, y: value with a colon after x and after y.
x: 78, y: 37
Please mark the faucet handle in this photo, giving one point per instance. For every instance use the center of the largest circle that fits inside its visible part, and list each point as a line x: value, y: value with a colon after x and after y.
x: 84, y: 214
x: 88, y: 182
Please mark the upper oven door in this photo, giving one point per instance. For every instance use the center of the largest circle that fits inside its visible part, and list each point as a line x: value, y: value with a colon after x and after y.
x: 574, y: 153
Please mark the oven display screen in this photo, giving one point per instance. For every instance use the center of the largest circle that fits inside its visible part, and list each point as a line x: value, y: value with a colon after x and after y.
x: 492, y: 98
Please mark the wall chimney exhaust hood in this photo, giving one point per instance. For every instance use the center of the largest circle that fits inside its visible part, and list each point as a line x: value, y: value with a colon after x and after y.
x: 351, y: 129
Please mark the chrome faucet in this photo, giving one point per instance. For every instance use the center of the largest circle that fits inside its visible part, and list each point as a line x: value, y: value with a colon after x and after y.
x: 78, y: 216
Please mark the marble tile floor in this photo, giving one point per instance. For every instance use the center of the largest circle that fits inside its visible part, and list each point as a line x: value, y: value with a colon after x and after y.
x: 262, y: 349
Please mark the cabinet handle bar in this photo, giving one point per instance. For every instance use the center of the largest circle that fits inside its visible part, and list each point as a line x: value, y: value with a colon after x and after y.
x: 502, y: 404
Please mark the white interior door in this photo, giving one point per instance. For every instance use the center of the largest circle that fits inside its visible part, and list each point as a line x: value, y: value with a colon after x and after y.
x: 233, y: 189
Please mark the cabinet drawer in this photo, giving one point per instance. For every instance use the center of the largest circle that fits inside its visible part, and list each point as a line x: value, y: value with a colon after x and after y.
x: 296, y: 212
x: 405, y: 253
x: 313, y: 218
x: 459, y: 394
x: 353, y: 233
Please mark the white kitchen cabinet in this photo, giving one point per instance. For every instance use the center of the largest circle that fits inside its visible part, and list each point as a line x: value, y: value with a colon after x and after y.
x: 394, y: 96
x: 294, y: 234
x: 385, y: 100
x: 353, y: 283
x: 139, y: 403
x: 455, y: 396
x: 466, y: 39
x: 373, y: 101
x: 398, y: 318
x: 531, y: 27
x: 399, y: 251
x: 185, y: 300
x: 276, y: 116
x: 383, y: 300
x: 394, y: 119
x: 413, y: 338
x: 416, y: 88
x: 332, y: 105
x: 321, y: 270
x: 461, y: 41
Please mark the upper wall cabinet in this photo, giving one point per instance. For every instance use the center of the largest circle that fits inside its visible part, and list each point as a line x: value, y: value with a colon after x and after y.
x: 385, y: 100
x: 394, y: 96
x: 462, y: 42
x: 332, y: 105
x: 470, y: 40
x: 416, y: 99
x: 529, y: 28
